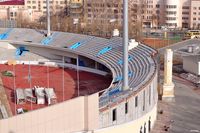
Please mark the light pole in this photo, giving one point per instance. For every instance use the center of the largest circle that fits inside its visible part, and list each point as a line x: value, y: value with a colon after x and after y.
x: 14, y: 86
x: 63, y: 77
x: 77, y: 74
x: 125, y: 43
x: 48, y: 19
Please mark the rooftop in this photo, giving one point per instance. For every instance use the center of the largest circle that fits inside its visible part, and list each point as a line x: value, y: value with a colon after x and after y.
x: 11, y: 2
x: 108, y: 52
x: 185, y: 48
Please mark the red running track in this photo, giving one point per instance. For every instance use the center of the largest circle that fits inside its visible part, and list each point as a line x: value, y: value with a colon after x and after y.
x: 52, y: 77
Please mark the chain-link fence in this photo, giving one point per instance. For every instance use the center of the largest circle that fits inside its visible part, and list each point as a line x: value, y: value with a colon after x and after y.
x: 8, y: 24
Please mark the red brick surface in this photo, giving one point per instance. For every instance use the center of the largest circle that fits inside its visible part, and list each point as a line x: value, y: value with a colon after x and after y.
x: 89, y: 82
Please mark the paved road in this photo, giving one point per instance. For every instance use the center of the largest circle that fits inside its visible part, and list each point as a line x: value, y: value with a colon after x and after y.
x: 183, y: 115
x: 185, y: 110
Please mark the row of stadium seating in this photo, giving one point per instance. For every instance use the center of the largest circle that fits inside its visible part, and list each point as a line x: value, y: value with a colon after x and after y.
x: 107, y: 51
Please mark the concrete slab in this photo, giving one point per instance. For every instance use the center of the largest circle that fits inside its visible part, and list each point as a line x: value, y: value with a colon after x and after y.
x: 181, y: 116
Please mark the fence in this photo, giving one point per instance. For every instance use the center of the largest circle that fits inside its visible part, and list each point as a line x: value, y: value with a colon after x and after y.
x: 8, y: 24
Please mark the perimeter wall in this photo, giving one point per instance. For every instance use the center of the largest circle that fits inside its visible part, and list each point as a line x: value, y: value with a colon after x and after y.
x: 77, y: 114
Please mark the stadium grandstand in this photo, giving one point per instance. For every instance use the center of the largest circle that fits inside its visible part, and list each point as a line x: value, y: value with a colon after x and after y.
x: 84, y: 74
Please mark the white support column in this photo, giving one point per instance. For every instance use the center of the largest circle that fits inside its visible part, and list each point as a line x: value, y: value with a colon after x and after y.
x: 168, y: 85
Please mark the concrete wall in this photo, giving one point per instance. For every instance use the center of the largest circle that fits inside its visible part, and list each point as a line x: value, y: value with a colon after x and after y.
x: 191, y: 64
x: 6, y: 45
x: 199, y: 68
x: 133, y: 126
x: 74, y: 115
x: 147, y: 100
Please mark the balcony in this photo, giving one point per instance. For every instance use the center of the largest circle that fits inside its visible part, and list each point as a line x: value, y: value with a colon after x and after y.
x: 76, y: 5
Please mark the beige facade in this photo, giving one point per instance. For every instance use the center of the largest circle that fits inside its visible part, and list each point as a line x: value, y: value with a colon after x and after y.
x: 80, y: 114
x: 155, y: 13
x: 38, y: 7
x: 76, y: 8
x: 106, y: 12
x: 12, y: 12
x: 146, y: 122
x: 195, y: 14
x: 32, y: 10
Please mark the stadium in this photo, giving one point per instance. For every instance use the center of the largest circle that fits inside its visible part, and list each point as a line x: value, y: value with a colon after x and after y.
x: 84, y: 77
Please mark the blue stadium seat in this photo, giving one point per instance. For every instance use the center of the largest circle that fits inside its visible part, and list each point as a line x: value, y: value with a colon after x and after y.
x: 130, y: 73
x: 48, y: 39
x: 75, y: 46
x: 119, y: 78
x: 114, y: 91
x: 81, y: 63
x: 104, y: 50
x: 20, y: 51
x: 5, y: 35
x: 78, y: 44
x: 120, y: 62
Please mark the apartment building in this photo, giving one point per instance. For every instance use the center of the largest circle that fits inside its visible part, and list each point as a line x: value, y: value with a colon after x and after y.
x: 31, y: 10
x: 195, y: 14
x: 109, y: 13
x: 38, y: 7
x: 11, y: 10
x: 105, y: 11
x: 152, y: 13
x: 76, y: 9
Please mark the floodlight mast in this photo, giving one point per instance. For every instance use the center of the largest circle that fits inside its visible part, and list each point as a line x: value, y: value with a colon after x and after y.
x: 48, y: 19
x: 125, y: 45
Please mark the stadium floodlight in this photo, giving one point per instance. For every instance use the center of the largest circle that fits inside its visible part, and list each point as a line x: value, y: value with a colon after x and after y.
x: 125, y: 45
x: 48, y: 18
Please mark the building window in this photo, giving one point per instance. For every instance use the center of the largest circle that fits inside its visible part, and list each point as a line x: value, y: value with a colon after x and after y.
x: 126, y: 108
x: 185, y: 18
x: 157, y: 6
x: 11, y: 14
x: 150, y: 95
x: 141, y: 130
x: 149, y: 124
x: 144, y: 127
x: 170, y: 12
x: 114, y: 115
x: 143, y: 100
x: 136, y: 101
x: 186, y: 13
x: 186, y: 7
x: 171, y: 6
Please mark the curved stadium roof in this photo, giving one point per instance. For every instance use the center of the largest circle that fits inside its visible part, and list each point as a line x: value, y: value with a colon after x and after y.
x: 142, y: 66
